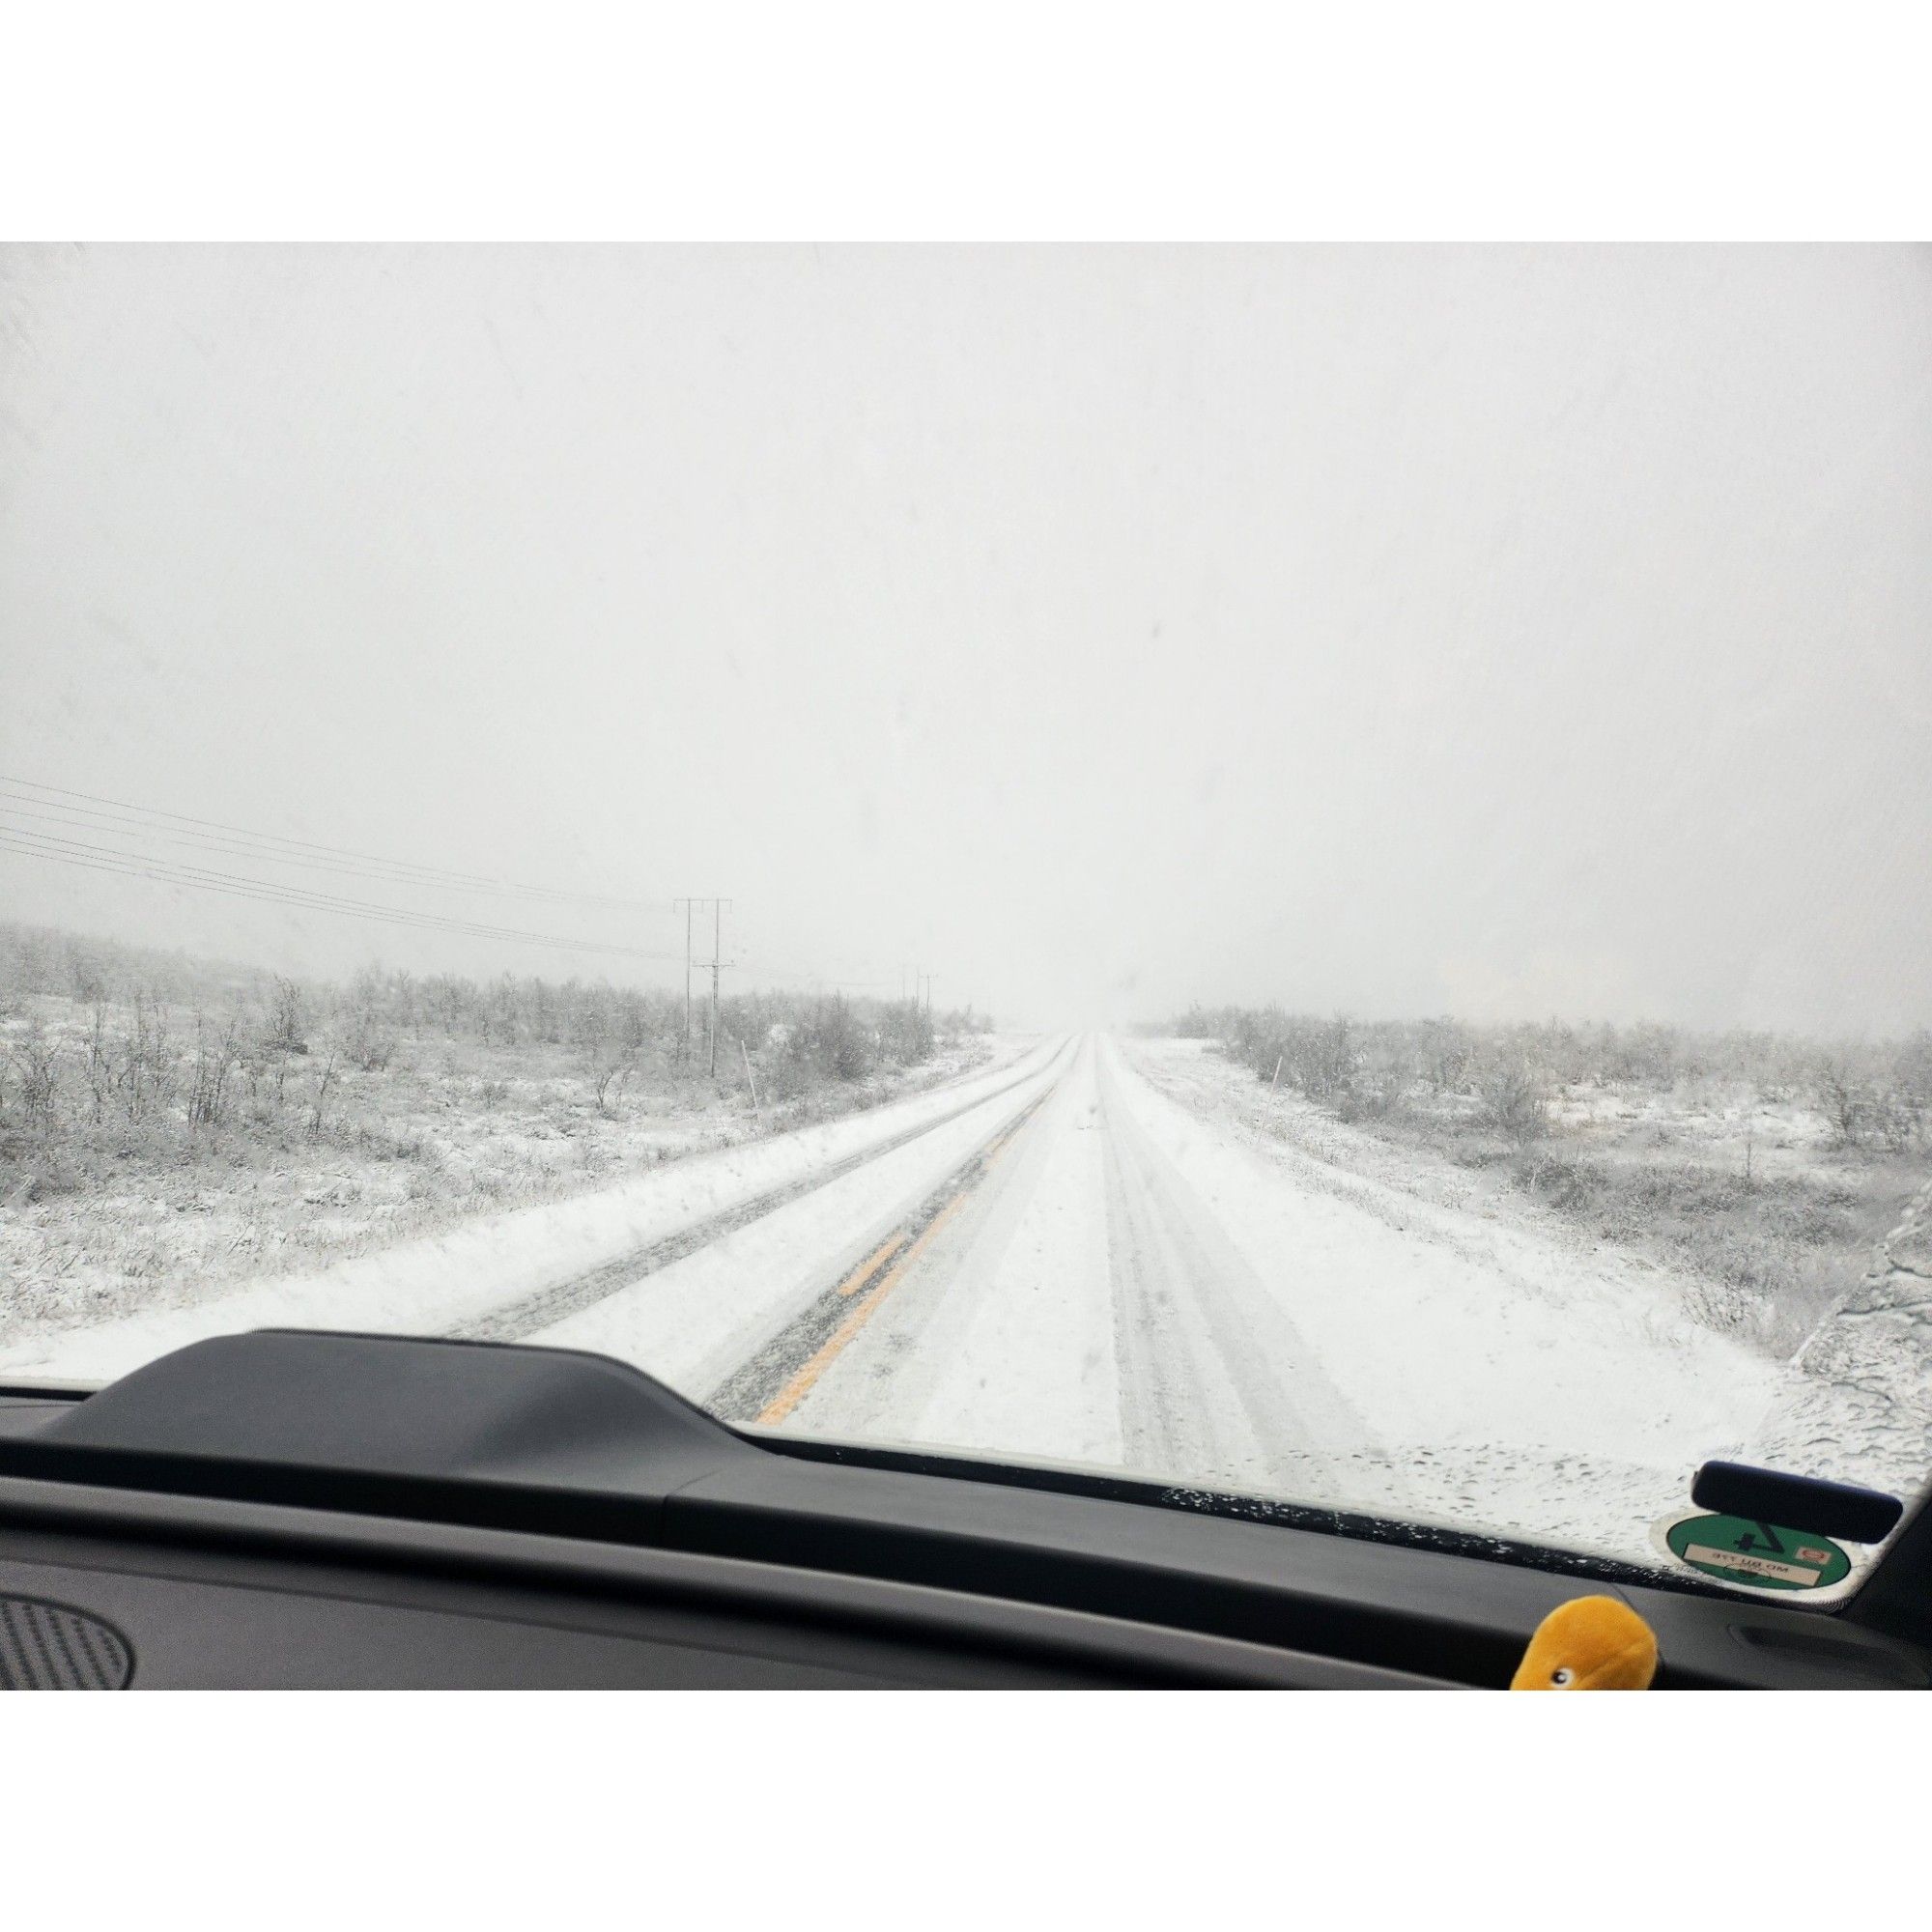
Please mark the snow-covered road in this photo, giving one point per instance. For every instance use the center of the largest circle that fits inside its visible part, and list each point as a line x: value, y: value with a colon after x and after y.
x: 1083, y: 1257
x: 1133, y: 1283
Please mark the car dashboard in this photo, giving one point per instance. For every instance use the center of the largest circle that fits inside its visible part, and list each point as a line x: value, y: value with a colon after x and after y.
x: 296, y: 1509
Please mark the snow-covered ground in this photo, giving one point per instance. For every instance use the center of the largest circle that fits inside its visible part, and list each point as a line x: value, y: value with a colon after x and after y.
x: 103, y: 1213
x: 446, y: 1281
x: 1095, y: 1255
x: 1852, y: 1403
x: 1145, y: 1282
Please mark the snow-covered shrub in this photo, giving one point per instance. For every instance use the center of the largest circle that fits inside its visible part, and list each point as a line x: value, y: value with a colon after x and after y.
x: 1514, y: 1096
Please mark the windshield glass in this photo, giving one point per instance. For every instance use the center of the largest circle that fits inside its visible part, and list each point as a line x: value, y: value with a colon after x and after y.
x: 1296, y: 872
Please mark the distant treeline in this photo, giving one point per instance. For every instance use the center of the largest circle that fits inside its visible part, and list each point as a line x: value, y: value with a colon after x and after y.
x: 150, y: 1031
x: 1877, y: 1094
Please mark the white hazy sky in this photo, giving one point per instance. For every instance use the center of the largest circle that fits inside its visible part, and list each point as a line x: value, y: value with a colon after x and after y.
x: 1496, y: 631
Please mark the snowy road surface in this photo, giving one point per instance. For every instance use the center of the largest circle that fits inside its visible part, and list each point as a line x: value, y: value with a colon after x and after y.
x: 1076, y: 1257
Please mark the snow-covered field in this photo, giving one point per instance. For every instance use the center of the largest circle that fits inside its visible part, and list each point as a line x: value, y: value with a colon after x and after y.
x: 1095, y: 1253
x: 101, y: 1212
x: 443, y: 1280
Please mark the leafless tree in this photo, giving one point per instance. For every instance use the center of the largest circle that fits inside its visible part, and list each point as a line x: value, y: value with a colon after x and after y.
x: 148, y: 1071
x: 102, y: 1077
x: 610, y: 1073
x: 288, y: 1019
x: 324, y: 1081
x: 215, y: 1046
x: 36, y: 1058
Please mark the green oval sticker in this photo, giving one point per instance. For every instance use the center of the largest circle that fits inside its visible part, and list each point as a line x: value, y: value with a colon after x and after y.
x: 1759, y: 1554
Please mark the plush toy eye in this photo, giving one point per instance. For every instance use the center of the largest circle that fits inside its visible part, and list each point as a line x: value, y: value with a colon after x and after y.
x: 1563, y: 1678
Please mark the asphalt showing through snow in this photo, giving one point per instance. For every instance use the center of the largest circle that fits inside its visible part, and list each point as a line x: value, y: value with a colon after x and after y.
x: 548, y: 1306
x: 771, y: 1384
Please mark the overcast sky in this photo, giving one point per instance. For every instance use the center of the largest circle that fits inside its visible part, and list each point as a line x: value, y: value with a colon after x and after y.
x: 1397, y: 630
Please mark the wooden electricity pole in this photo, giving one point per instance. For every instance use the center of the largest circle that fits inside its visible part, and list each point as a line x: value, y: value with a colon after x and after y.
x: 686, y: 905
x: 717, y: 916
x: 717, y: 934
x: 718, y: 963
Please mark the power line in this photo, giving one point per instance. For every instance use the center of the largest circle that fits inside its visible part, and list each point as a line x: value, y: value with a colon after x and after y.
x: 281, y: 849
x: 141, y: 865
x: 765, y: 970
x: 104, y: 816
x: 200, y: 841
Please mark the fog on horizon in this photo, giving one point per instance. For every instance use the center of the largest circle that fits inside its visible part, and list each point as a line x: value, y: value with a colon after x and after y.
x: 1503, y: 631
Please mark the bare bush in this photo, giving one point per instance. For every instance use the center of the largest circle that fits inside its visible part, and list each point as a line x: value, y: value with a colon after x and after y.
x: 210, y: 1071
x: 833, y: 1041
x: 324, y: 1080
x: 36, y: 1058
x: 611, y: 1064
x: 1844, y: 1097
x: 1445, y: 1052
x: 906, y: 1034
x: 367, y: 1044
x: 1897, y: 1122
x: 362, y: 1024
x: 1515, y: 1098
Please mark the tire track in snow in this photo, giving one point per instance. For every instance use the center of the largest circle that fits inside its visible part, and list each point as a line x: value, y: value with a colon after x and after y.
x: 1217, y: 1384
x: 548, y: 1306
x: 768, y: 1386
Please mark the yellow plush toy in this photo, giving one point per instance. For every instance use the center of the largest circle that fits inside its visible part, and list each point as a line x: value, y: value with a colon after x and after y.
x: 1590, y: 1643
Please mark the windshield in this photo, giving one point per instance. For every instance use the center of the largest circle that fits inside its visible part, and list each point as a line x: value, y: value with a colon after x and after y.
x: 1299, y: 873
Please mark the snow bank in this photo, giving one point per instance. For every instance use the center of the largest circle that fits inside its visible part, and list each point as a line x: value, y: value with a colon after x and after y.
x: 432, y: 1284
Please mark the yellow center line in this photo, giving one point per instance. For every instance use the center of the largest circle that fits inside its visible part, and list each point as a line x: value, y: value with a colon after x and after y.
x: 806, y: 1380
x: 802, y: 1383
x: 869, y: 1266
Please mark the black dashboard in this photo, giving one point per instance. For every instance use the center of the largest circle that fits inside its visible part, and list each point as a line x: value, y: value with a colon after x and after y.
x: 295, y: 1510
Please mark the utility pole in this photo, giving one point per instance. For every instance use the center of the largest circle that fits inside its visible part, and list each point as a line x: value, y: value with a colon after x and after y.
x: 718, y: 963
x: 687, y: 904
x: 717, y: 950
x: 690, y: 905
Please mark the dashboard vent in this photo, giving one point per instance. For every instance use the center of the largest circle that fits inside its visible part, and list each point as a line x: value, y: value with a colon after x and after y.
x: 49, y: 1647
